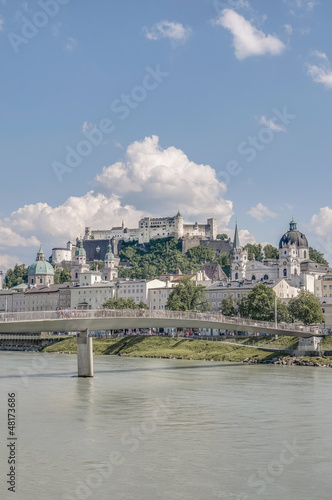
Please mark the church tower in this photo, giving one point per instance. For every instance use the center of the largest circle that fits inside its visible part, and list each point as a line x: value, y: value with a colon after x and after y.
x: 239, y: 259
x: 79, y: 265
x: 110, y: 271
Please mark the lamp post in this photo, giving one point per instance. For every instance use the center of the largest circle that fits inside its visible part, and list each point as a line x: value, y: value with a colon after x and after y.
x: 275, y: 316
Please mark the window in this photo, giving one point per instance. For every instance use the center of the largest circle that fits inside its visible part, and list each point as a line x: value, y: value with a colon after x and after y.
x: 305, y: 254
x: 266, y: 277
x: 253, y: 277
x: 325, y: 287
x: 285, y: 273
x: 236, y: 276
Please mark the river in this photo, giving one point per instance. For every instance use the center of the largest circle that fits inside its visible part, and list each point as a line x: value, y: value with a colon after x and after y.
x: 153, y: 429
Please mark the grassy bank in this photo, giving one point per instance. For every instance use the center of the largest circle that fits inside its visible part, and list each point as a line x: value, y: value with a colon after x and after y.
x: 283, y: 342
x: 165, y: 347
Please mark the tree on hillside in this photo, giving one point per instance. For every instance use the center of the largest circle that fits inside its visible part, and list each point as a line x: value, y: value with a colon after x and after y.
x: 201, y: 254
x: 306, y: 308
x: 62, y: 276
x: 16, y: 276
x: 124, y: 304
x: 187, y: 296
x: 317, y: 256
x: 224, y: 260
x: 222, y: 236
x: 271, y: 252
x: 228, y: 307
x: 254, y: 249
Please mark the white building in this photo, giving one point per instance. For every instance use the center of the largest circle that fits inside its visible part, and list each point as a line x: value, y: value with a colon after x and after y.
x: 293, y: 264
x: 92, y: 296
x: 137, y: 289
x: 154, y: 228
x: 13, y: 300
x: 60, y: 255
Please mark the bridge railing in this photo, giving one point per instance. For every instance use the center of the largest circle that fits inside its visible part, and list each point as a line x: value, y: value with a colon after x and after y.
x: 152, y: 314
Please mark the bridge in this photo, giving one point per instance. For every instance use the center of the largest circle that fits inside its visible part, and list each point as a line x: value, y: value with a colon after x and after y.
x: 83, y: 321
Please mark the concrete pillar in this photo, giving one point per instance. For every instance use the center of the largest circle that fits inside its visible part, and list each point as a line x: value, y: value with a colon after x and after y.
x: 84, y: 355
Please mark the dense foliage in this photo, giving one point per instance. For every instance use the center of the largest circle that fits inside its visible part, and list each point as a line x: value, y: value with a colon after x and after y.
x: 124, y: 304
x: 306, y: 308
x: 255, y: 251
x: 16, y: 276
x: 160, y: 257
x: 228, y: 307
x: 259, y: 304
x: 187, y: 296
x: 317, y: 256
x: 271, y: 252
x: 222, y: 236
x: 62, y: 276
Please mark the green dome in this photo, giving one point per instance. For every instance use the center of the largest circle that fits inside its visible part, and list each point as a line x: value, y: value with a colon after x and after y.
x: 41, y: 267
x: 80, y: 252
x: 109, y: 255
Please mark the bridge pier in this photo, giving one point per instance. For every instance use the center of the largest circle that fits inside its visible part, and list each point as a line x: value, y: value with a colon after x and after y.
x: 84, y: 355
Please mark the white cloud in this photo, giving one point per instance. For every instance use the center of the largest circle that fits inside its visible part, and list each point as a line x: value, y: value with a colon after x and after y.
x: 9, y: 238
x: 320, y: 71
x: 163, y: 181
x: 149, y: 180
x: 306, y: 5
x: 288, y: 28
x: 247, y: 39
x: 1, y: 23
x: 260, y: 211
x: 246, y: 237
x: 321, y: 223
x: 8, y: 261
x: 270, y: 123
x: 175, y: 32
x: 71, y: 44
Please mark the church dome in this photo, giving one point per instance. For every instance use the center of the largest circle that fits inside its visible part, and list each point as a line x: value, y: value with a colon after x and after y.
x: 109, y: 255
x: 293, y: 237
x: 80, y: 252
x: 41, y: 266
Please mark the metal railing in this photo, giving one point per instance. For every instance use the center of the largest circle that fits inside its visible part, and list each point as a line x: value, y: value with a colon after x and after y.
x: 157, y: 314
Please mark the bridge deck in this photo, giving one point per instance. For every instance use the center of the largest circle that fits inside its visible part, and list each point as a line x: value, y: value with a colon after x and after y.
x: 107, y: 319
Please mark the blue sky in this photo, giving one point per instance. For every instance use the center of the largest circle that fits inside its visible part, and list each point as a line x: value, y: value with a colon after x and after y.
x: 204, y: 79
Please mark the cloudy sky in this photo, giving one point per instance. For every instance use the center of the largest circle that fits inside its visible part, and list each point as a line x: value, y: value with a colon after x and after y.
x: 114, y: 110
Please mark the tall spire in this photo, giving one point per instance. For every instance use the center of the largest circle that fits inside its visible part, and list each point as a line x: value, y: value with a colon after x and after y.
x: 236, y: 242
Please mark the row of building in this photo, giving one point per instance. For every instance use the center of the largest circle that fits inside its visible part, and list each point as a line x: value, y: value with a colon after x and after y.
x: 88, y: 289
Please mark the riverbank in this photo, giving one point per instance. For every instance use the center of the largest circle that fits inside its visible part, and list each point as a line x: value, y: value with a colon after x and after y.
x: 166, y: 347
x: 175, y: 348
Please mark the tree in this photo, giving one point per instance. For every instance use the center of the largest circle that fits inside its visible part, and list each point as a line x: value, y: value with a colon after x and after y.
x: 271, y: 252
x: 187, y: 296
x: 62, y: 276
x: 224, y: 260
x: 283, y: 314
x: 201, y: 254
x: 228, y: 307
x: 16, y: 276
x: 259, y: 304
x: 96, y: 265
x: 317, y: 256
x: 254, y: 249
x: 222, y: 236
x: 124, y: 304
x: 306, y: 308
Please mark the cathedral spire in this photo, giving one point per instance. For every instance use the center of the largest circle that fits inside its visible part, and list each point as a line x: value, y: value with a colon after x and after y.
x: 236, y: 242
